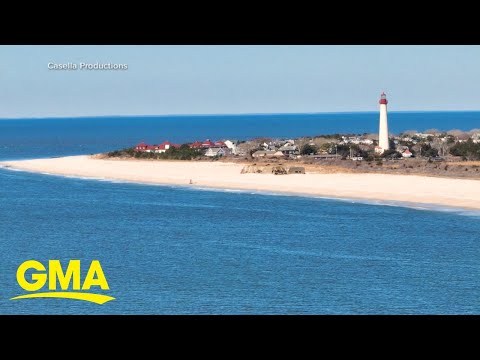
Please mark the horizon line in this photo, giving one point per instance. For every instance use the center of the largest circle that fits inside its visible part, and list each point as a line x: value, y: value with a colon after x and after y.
x: 225, y: 114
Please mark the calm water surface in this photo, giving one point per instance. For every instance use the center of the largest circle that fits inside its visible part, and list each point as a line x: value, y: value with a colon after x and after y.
x: 172, y: 250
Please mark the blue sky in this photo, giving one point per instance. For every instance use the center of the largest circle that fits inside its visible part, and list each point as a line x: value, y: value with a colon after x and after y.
x: 237, y: 79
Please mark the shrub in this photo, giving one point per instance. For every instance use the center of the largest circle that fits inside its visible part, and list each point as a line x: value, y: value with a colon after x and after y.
x: 468, y: 150
x: 308, y: 149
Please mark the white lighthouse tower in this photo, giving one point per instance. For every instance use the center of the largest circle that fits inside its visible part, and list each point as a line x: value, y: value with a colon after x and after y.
x: 383, y: 143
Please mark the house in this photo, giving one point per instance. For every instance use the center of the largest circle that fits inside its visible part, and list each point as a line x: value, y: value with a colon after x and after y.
x: 150, y: 148
x: 366, y: 141
x: 269, y: 146
x: 289, y: 149
x: 208, y: 144
x: 215, y: 151
x: 355, y: 140
x: 165, y: 146
x: 141, y: 147
x: 232, y: 145
x: 196, y: 145
x: 407, y: 153
x: 220, y: 144
x: 424, y: 136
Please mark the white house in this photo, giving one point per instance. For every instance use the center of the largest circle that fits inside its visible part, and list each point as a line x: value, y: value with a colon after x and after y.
x: 164, y: 147
x: 289, y: 149
x: 232, y: 145
x: 366, y: 141
x: 355, y: 140
x: 424, y: 136
x: 215, y: 151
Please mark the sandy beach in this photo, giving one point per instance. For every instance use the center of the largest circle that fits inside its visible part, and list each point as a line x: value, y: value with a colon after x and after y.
x: 463, y: 193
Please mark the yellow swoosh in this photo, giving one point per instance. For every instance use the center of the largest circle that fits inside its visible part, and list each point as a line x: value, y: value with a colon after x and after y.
x: 95, y: 298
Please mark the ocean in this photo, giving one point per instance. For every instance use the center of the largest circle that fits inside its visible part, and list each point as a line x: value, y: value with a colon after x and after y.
x: 37, y: 138
x: 174, y: 250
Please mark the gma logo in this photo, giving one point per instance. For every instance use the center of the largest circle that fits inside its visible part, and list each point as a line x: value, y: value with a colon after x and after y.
x: 95, y: 277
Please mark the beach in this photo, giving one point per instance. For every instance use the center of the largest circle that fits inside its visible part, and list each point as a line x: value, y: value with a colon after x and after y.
x: 462, y: 193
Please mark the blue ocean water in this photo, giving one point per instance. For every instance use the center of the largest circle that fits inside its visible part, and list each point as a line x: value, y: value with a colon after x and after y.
x: 173, y: 250
x: 21, y: 138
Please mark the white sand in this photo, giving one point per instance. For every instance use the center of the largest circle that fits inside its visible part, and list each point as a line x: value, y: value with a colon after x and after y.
x: 463, y: 193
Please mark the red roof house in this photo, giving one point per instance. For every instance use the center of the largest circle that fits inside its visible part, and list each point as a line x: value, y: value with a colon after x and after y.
x: 196, y: 145
x: 141, y: 147
x: 208, y: 144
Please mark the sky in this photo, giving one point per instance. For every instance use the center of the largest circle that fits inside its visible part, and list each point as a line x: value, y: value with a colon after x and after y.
x: 163, y: 80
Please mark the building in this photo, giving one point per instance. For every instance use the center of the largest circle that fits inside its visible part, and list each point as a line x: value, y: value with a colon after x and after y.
x: 208, y: 144
x: 424, y: 136
x: 407, y: 153
x: 383, y: 142
x: 142, y: 147
x: 221, y: 144
x: 356, y: 140
x: 215, y: 151
x: 232, y: 145
x: 165, y: 146
x: 196, y: 145
x: 289, y: 149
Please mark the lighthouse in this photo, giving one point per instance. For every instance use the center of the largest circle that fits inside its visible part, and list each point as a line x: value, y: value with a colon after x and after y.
x: 383, y: 143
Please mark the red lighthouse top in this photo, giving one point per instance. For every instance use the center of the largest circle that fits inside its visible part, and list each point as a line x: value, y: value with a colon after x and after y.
x: 383, y: 99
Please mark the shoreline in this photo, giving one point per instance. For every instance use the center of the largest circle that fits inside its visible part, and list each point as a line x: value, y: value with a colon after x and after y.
x: 402, y: 189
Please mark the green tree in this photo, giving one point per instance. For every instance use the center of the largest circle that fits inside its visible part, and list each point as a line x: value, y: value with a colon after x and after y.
x: 391, y: 154
x: 184, y: 152
x: 428, y: 151
x: 469, y: 150
x: 343, y: 150
x: 308, y: 149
